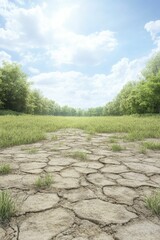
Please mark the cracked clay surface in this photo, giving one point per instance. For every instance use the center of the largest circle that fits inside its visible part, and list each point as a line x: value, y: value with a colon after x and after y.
x: 97, y: 198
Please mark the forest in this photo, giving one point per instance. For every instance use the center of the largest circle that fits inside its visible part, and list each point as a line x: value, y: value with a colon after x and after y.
x: 141, y: 96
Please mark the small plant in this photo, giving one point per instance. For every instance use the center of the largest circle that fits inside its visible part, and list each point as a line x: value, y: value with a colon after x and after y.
x: 116, y: 148
x: 7, y: 206
x: 44, y: 182
x: 152, y: 145
x: 153, y: 203
x: 78, y: 155
x: 5, y: 169
x: 54, y: 138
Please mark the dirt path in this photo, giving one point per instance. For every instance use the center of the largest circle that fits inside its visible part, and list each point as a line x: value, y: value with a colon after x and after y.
x: 99, y: 198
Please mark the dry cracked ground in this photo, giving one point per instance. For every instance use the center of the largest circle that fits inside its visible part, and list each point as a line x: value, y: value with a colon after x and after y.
x: 98, y: 198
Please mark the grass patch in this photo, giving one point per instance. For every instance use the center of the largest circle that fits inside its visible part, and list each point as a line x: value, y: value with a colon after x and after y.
x: 25, y: 129
x: 78, y: 155
x: 44, y: 182
x: 5, y: 169
x: 152, y: 145
x: 116, y: 148
x: 153, y: 203
x: 7, y: 206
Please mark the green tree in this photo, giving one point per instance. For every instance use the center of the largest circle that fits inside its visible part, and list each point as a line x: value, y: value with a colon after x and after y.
x: 14, y: 87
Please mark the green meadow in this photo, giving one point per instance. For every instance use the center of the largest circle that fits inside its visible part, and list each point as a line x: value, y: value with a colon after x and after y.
x: 23, y: 129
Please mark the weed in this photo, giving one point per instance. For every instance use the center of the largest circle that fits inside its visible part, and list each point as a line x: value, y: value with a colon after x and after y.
x: 152, y: 145
x: 116, y: 148
x: 7, y: 206
x: 153, y: 203
x: 5, y: 169
x: 44, y: 182
x: 78, y: 155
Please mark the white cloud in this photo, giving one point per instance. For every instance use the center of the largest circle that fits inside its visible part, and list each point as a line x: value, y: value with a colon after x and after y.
x: 39, y: 27
x: 4, y: 57
x: 80, y: 90
x: 83, y: 49
x: 153, y: 27
x: 33, y: 70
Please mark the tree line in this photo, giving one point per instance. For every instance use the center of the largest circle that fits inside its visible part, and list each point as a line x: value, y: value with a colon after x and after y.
x: 139, y: 97
x: 136, y: 97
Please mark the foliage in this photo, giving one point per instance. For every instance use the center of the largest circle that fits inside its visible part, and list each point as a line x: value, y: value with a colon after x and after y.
x: 136, y: 97
x: 141, y: 96
x: 7, y: 206
x: 14, y: 87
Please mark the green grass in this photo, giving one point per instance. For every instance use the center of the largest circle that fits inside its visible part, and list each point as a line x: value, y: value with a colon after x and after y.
x: 24, y: 129
x: 44, y: 182
x: 152, y: 145
x: 153, y: 203
x: 5, y: 169
x: 116, y: 148
x: 7, y: 206
x: 78, y: 155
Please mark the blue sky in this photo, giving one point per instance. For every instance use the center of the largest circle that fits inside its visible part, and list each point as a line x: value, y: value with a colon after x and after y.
x: 80, y: 52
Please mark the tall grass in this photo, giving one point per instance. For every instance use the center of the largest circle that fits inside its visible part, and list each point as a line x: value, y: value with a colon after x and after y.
x: 7, y: 206
x: 16, y: 130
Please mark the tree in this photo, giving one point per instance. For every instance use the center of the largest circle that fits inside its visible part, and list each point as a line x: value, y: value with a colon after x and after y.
x: 14, y: 87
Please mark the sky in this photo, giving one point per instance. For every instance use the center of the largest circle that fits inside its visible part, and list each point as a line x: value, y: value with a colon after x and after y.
x: 79, y: 52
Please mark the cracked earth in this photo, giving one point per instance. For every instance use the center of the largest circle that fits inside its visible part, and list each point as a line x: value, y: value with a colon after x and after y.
x: 100, y: 198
